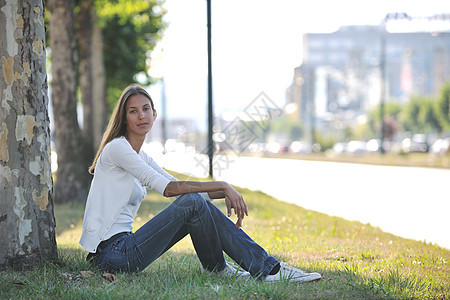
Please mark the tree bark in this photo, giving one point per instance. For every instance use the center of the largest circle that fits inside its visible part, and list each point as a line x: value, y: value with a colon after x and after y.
x: 27, y: 223
x: 85, y: 39
x: 72, y: 176
x: 100, y: 106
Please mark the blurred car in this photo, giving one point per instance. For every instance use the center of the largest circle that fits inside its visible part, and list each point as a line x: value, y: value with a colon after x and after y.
x: 418, y: 143
x: 300, y: 147
x: 339, y: 148
x: 373, y: 145
x: 440, y: 146
x: 284, y: 149
x: 272, y: 147
x: 256, y: 147
x: 355, y: 147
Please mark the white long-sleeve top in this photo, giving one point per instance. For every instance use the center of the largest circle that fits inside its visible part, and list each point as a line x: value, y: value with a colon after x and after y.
x: 124, y: 222
x: 117, y: 167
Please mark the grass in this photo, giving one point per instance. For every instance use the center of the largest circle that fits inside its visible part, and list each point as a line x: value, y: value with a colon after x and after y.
x: 357, y: 261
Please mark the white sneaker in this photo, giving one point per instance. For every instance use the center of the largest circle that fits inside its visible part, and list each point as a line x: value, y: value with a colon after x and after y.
x: 292, y: 274
x: 230, y: 271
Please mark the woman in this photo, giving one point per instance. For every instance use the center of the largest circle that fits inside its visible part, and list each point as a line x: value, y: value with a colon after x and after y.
x: 121, y: 170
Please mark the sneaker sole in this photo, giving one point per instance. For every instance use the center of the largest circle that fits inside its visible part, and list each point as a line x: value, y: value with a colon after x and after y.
x: 307, y: 278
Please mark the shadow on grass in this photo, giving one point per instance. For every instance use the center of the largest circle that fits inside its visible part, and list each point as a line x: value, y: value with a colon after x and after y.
x: 349, y: 255
x: 177, y: 275
x: 68, y: 216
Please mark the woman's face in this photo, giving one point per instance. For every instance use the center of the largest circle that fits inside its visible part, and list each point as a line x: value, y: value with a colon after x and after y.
x: 139, y: 116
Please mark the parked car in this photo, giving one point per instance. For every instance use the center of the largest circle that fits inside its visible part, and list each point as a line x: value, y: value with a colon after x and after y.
x: 355, y: 147
x: 440, y: 146
x: 373, y: 145
x: 339, y: 148
x: 418, y: 143
x: 300, y: 147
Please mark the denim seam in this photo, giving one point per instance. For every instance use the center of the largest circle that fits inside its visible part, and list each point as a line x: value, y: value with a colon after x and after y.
x: 182, y: 214
x: 210, y: 246
x: 269, y: 267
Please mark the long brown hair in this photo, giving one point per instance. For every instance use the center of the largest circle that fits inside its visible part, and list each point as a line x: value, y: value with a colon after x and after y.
x: 117, y: 123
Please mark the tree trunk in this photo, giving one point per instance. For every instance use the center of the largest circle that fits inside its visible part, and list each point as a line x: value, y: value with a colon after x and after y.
x: 27, y: 223
x: 100, y: 106
x: 72, y: 176
x: 85, y: 37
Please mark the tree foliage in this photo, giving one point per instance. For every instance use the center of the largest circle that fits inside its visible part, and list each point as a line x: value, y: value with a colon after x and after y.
x: 428, y: 116
x: 410, y: 115
x: 442, y: 107
x: 392, y: 111
x: 419, y: 115
x: 131, y: 30
x: 391, y: 108
x: 294, y: 128
x: 285, y: 127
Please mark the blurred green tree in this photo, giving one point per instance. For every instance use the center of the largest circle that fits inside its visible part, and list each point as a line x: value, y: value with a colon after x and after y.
x: 292, y: 128
x: 131, y: 29
x: 72, y: 180
x: 85, y: 14
x: 326, y: 141
x: 442, y: 107
x: 114, y: 39
x: 410, y: 115
x: 392, y: 119
x: 423, y: 114
x: 428, y: 116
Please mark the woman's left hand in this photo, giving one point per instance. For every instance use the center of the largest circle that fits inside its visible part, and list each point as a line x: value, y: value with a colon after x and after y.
x: 235, y: 201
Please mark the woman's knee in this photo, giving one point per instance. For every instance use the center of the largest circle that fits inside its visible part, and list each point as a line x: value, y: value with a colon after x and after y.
x: 191, y: 200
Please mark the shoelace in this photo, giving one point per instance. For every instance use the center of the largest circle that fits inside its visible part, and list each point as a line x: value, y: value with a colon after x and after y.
x: 290, y: 270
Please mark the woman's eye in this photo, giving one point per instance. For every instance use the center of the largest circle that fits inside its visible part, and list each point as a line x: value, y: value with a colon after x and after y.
x: 146, y: 108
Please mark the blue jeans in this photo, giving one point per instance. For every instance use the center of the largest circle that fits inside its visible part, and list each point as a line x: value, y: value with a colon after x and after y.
x: 211, y: 232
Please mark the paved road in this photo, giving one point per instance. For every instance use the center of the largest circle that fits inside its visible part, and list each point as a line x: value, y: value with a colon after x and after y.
x: 409, y: 202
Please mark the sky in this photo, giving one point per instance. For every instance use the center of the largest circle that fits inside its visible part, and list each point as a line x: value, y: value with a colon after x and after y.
x: 256, y: 44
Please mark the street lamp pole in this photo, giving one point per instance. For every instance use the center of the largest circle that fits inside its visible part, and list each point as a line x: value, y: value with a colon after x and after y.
x: 164, y: 112
x: 210, y: 102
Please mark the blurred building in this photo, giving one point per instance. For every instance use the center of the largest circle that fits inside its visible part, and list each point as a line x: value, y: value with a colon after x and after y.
x: 176, y: 128
x: 339, y: 79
